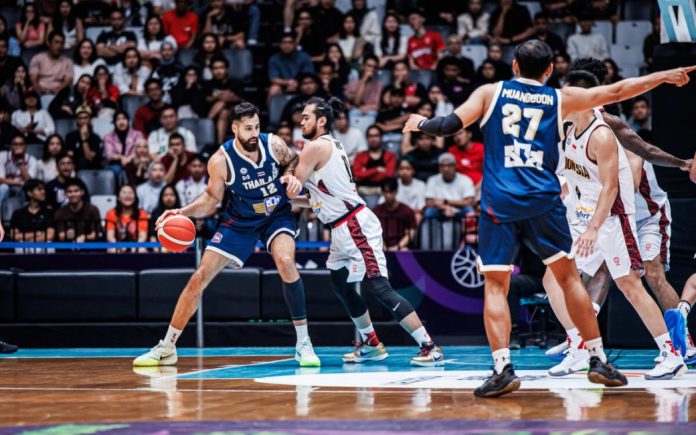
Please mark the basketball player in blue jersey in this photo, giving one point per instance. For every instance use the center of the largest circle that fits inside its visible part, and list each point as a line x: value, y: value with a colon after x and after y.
x: 253, y: 169
x: 520, y: 193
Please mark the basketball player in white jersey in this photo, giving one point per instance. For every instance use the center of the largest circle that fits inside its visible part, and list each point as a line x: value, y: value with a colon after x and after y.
x: 603, y: 226
x: 356, y: 253
x: 653, y: 228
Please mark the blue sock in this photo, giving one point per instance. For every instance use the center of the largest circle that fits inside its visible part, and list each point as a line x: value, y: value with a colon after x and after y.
x: 294, y: 297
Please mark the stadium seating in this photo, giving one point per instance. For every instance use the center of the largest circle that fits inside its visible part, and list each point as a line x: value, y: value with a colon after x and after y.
x: 64, y: 126
x: 102, y: 126
x: 104, y: 203
x: 93, y: 32
x: 384, y: 76
x: 11, y: 14
x: 241, y: 64
x: 131, y: 103
x: 423, y: 76
x: 604, y: 28
x: 7, y: 296
x: 203, y: 130
x: 275, y: 108
x: 185, y: 55
x: 98, y: 182
x: 477, y: 53
x: 629, y: 57
x: 9, y: 205
x: 632, y: 32
x: 532, y: 7
x: 34, y: 149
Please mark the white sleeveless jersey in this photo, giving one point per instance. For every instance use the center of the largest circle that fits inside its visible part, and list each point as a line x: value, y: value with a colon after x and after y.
x: 582, y: 174
x: 331, y: 189
x: 650, y: 198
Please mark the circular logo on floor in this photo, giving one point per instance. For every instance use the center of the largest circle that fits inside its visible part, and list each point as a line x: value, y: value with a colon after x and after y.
x: 458, y: 379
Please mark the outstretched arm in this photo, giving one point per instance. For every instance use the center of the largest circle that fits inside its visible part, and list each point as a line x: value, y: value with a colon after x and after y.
x: 465, y: 115
x: 577, y: 99
x: 634, y: 143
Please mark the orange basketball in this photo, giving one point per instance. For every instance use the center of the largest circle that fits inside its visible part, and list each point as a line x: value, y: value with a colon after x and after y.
x: 176, y: 233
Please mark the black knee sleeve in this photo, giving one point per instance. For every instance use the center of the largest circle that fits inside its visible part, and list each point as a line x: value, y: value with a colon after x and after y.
x: 347, y: 293
x: 294, y: 298
x: 385, y: 294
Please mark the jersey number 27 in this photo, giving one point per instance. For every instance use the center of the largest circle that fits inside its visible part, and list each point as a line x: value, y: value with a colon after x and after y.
x: 514, y: 157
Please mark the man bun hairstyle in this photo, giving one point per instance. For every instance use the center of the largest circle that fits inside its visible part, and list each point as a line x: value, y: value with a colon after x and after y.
x: 331, y: 109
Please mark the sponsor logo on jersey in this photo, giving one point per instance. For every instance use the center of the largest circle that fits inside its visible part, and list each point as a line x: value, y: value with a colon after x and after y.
x: 217, y: 238
x: 583, y: 213
x: 617, y: 261
x: 268, y: 205
x: 243, y: 171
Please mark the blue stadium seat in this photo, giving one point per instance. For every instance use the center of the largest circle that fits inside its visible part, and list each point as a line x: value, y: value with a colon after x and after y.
x: 104, y: 203
x: 629, y: 58
x: 203, y: 130
x: 563, y: 30
x: 9, y: 205
x: 362, y: 122
x: 632, y: 32
x: 98, y: 181
x: 131, y: 103
x: 35, y: 149
x: 241, y: 64
x: 477, y: 53
x: 423, y: 76
x: 11, y: 15
x: 28, y: 53
x: 275, y: 109
x: 185, y: 56
x: 639, y: 9
x: 93, y: 33
x: 604, y: 28
x: 102, y: 126
x: 384, y: 76
x: 64, y: 126
x: 532, y: 7
x: 444, y: 31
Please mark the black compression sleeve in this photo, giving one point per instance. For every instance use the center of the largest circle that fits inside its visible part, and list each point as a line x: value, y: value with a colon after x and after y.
x: 441, y: 125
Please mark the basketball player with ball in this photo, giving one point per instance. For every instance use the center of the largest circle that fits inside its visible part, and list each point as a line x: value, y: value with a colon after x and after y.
x: 250, y: 173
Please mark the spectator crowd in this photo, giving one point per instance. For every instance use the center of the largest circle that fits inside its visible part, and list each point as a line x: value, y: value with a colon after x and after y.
x: 109, y: 109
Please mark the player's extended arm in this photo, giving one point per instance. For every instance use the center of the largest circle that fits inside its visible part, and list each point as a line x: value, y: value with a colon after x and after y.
x: 603, y: 146
x: 206, y: 203
x: 301, y: 201
x: 634, y: 143
x: 463, y: 116
x: 577, y: 99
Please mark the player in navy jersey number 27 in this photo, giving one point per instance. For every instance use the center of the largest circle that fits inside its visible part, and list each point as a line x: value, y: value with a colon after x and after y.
x: 520, y: 194
x: 251, y: 171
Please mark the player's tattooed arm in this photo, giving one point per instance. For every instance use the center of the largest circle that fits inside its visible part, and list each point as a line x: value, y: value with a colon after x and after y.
x: 286, y: 156
x: 634, y: 143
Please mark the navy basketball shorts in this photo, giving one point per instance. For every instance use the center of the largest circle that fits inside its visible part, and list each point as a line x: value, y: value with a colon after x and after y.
x: 547, y: 235
x: 238, y: 244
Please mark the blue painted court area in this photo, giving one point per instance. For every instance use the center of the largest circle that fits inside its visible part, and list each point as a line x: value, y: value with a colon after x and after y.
x: 457, y: 358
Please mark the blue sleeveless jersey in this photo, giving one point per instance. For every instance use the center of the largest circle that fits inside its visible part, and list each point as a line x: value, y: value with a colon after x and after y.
x: 521, y: 131
x: 254, y: 194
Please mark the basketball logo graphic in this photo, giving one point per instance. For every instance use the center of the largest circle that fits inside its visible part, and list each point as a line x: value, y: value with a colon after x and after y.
x: 464, y: 270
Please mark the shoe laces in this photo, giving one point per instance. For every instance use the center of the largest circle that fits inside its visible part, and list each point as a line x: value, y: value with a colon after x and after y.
x: 358, y: 345
x: 426, y: 350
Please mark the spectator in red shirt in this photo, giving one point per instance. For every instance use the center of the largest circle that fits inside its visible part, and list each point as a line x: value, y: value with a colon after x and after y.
x: 373, y: 166
x: 398, y: 220
x: 176, y: 160
x: 147, y: 116
x: 424, y: 46
x: 182, y: 24
x: 468, y: 156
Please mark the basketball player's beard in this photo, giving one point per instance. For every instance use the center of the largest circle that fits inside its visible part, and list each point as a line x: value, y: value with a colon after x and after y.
x: 311, y: 135
x: 250, y: 145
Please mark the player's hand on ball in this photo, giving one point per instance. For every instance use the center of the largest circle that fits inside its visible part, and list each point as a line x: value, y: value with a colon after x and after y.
x: 412, y: 122
x: 292, y: 185
x: 584, y: 245
x: 165, y: 215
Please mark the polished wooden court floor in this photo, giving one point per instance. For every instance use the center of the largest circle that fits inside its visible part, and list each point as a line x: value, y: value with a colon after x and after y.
x: 249, y: 390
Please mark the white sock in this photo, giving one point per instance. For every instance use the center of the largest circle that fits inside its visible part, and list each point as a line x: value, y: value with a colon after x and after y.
x: 172, y: 336
x: 575, y: 338
x: 684, y: 308
x: 501, y: 358
x: 595, y: 348
x: 367, y: 330
x: 664, y: 343
x: 421, y: 336
x: 302, y: 333
x: 596, y: 308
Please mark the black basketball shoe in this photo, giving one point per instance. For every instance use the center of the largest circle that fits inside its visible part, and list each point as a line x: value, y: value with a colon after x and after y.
x: 7, y: 348
x: 605, y: 373
x: 499, y: 383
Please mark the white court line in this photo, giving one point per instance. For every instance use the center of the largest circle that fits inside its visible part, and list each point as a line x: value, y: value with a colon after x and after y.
x: 180, y: 375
